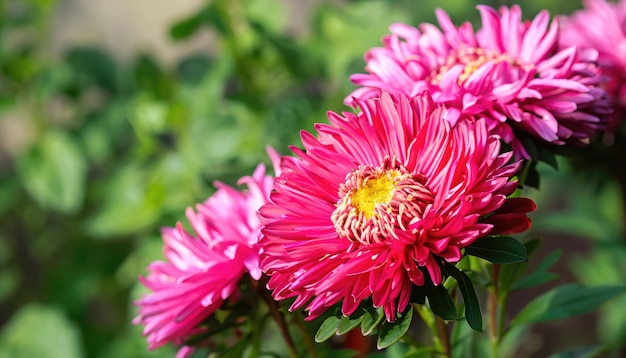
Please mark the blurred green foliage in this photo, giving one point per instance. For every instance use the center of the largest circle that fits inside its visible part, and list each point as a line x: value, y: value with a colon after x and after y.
x: 115, y: 150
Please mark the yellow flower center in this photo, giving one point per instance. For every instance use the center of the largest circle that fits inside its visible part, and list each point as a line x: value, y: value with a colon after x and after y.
x: 374, y: 191
x: 375, y: 203
x: 472, y: 66
x: 472, y: 59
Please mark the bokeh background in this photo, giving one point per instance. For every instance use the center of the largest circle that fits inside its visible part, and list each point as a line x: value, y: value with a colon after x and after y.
x: 117, y: 115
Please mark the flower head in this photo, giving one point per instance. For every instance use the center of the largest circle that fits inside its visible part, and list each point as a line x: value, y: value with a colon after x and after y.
x: 204, y: 269
x: 378, y: 199
x: 602, y: 26
x: 509, y: 72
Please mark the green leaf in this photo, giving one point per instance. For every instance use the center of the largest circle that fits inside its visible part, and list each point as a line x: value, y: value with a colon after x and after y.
x: 391, y: 332
x: 185, y: 27
x: 509, y: 274
x: 584, y: 352
x: 440, y: 302
x: 472, y: 306
x: 566, y: 301
x: 54, y: 172
x: 371, y: 319
x: 327, y: 329
x: 40, y: 331
x: 540, y: 275
x: 91, y: 66
x: 498, y: 249
x: 134, y: 202
x: 346, y: 324
x: 532, y: 246
x: 548, y: 157
x: 535, y: 279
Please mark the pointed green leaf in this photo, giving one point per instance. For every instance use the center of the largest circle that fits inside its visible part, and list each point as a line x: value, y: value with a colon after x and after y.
x: 566, y: 301
x: 535, y: 279
x: 390, y: 333
x: 472, y: 306
x: 346, y: 324
x: 540, y: 275
x: 371, y: 319
x: 440, y: 302
x: 509, y: 274
x: 185, y: 27
x: 498, y: 249
x: 327, y: 329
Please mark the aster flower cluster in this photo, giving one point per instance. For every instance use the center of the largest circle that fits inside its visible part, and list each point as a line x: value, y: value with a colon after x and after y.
x: 205, y: 270
x: 388, y: 194
x: 509, y: 72
x: 379, y: 205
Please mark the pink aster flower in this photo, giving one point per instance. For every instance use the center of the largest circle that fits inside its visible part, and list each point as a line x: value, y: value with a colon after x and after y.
x: 204, y: 269
x: 378, y: 199
x: 510, y: 72
x: 602, y: 26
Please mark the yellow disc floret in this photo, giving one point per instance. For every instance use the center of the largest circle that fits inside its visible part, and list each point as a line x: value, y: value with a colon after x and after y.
x: 374, y: 191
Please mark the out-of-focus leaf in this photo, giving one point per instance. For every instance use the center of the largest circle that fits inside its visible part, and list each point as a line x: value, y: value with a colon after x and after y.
x: 327, y: 329
x: 391, y: 332
x: 396, y: 350
x: 152, y: 79
x: 208, y: 15
x: 566, y: 301
x: 584, y: 352
x: 472, y: 306
x: 498, y: 249
x: 421, y: 352
x: 604, y: 223
x: 9, y: 281
x: 606, y: 265
x: 344, y: 35
x: 92, y: 66
x: 509, y: 274
x: 9, y: 193
x: 132, y: 204
x: 42, y: 332
x: 338, y: 353
x: 149, y: 117
x: 186, y: 27
x: 148, y: 250
x: 54, y: 172
x: 541, y: 274
x: 192, y: 69
x: 272, y: 14
x: 133, y: 344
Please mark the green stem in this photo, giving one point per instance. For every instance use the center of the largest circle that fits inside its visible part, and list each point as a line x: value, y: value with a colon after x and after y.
x: 494, y: 312
x: 297, y: 318
x: 278, y: 316
x: 444, y: 336
x: 256, y: 332
x: 430, y: 320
